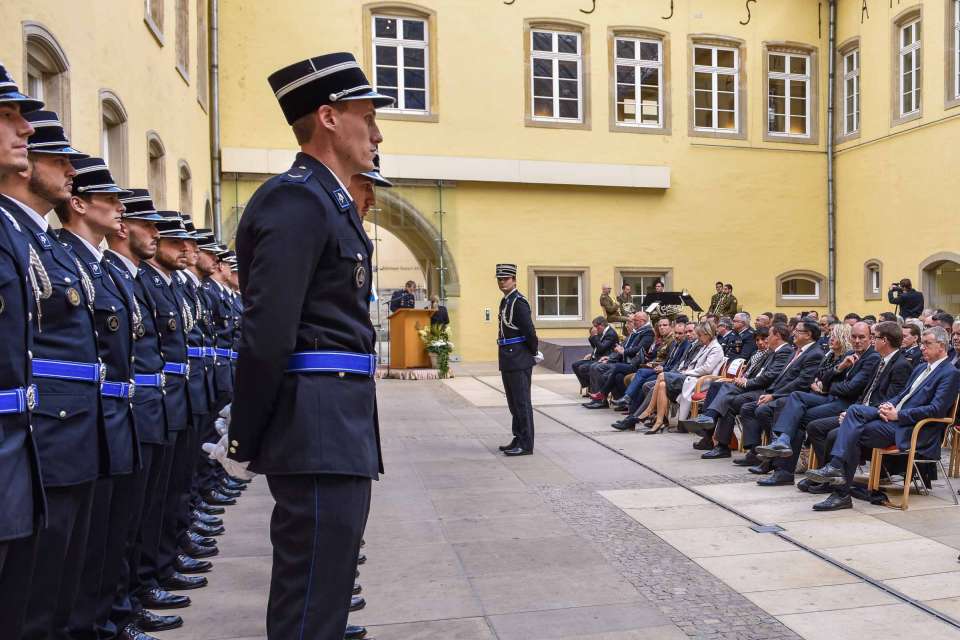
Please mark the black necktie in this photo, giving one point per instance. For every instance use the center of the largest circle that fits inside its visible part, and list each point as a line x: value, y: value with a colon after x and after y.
x: 873, y: 383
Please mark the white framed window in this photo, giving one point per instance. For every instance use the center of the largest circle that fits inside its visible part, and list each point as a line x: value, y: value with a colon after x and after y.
x: 956, y: 48
x: 788, y: 94
x: 113, y: 135
x: 799, y: 288
x: 559, y: 296
x: 715, y: 83
x: 643, y: 283
x: 401, y: 52
x: 851, y: 91
x: 874, y: 279
x: 909, y: 68
x: 639, y: 77
x: 556, y: 68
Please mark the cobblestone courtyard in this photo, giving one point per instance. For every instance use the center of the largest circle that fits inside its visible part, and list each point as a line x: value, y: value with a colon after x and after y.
x: 586, y: 539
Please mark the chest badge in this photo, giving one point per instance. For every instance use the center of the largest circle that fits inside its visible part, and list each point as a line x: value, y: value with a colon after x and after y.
x: 113, y: 323
x: 172, y: 324
x: 139, y: 331
x: 342, y: 200
x: 73, y: 296
x: 360, y: 275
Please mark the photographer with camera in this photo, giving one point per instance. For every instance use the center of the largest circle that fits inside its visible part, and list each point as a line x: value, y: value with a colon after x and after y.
x: 909, y: 300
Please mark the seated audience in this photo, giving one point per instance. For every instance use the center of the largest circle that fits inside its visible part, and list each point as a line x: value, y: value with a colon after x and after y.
x: 603, y: 337
x: 626, y: 358
x: 744, y: 345
x: 912, y: 329
x: 661, y: 352
x: 852, y: 318
x: 725, y: 333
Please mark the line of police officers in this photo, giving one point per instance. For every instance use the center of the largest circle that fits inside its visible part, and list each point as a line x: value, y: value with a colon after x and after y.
x: 116, y: 364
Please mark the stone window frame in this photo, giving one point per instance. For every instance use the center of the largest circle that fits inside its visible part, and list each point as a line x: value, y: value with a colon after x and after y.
x: 820, y: 299
x: 405, y: 10
x: 743, y: 102
x: 951, y: 81
x: 157, y: 173
x: 845, y: 48
x: 666, y: 106
x: 569, y: 26
x: 902, y: 19
x: 153, y: 18
x: 41, y: 47
x: 203, y: 56
x: 112, y: 109
x: 871, y: 266
x: 185, y: 176
x: 813, y: 91
x: 182, y: 38
x: 546, y: 323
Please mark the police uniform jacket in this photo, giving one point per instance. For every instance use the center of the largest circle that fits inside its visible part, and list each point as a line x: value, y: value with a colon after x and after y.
x: 726, y: 343
x: 173, y: 344
x: 149, y: 413
x: 193, y: 310
x: 305, y: 279
x: 401, y: 300
x: 222, y: 321
x: 67, y: 422
x: 744, y: 344
x: 236, y: 305
x: 516, y: 321
x: 201, y: 336
x: 112, y: 314
x: 22, y: 491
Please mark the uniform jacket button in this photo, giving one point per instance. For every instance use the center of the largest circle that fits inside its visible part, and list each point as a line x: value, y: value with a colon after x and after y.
x: 62, y: 414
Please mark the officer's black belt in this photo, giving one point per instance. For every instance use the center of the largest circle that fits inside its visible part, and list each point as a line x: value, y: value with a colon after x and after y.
x: 364, y: 364
x: 65, y: 370
x: 19, y: 400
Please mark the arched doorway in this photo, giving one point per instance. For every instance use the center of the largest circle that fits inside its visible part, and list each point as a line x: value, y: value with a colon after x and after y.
x: 940, y: 274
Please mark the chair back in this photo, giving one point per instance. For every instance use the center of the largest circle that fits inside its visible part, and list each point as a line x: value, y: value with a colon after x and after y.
x: 733, y: 367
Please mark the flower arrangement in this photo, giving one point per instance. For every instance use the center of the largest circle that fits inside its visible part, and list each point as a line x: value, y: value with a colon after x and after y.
x: 437, y: 342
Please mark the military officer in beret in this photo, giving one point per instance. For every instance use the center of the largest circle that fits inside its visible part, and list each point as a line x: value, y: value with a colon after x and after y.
x: 304, y: 409
x: 19, y: 468
x: 517, y: 345
x: 67, y: 422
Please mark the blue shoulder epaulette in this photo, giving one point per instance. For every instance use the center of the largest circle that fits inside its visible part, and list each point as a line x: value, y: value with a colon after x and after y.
x: 297, y: 174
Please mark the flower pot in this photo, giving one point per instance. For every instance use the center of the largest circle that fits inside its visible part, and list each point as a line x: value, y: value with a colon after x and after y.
x: 434, y: 360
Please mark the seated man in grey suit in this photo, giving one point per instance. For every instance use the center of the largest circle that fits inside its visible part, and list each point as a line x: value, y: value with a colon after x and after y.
x: 930, y: 393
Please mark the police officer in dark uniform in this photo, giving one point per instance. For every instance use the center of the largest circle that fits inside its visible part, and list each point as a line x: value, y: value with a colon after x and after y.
x: 304, y: 410
x: 67, y: 423
x: 19, y: 469
x: 517, y: 350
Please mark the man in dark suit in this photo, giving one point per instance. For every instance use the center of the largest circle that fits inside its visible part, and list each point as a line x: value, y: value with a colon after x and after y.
x: 930, y: 393
x: 405, y: 298
x: 517, y: 346
x: 603, y: 337
x: 907, y: 298
x: 757, y: 417
x: 722, y: 412
x: 626, y: 359
x: 19, y: 468
x: 307, y: 343
x: 850, y: 379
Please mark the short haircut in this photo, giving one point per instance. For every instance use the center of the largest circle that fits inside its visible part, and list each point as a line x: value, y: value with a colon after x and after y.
x: 939, y: 334
x: 743, y: 316
x: 304, y: 127
x: 599, y: 320
x: 769, y: 314
x: 682, y: 318
x: 726, y: 322
x: 707, y: 329
x: 781, y: 330
x: 888, y: 316
x: 761, y: 332
x: 852, y: 316
x: 718, y: 282
x: 944, y: 318
x: 869, y: 318
x: 410, y: 283
x: 891, y: 331
x: 813, y: 327
x: 729, y: 286
x: 914, y: 326
x: 905, y: 283
x: 779, y: 318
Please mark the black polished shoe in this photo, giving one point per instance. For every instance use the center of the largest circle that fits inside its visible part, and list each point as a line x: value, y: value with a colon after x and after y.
x: 749, y: 460
x: 357, y: 603
x: 202, y: 541
x: 705, y: 443
x: 807, y: 486
x: 517, y: 451
x: 131, y: 632
x: 597, y: 404
x: 719, y: 451
x: 234, y: 486
x: 218, y: 499
x: 626, y: 424
x: 827, y: 474
x: 700, y: 424
x: 780, y: 477
x: 779, y: 448
x: 150, y: 621
x: 180, y: 582
x: 761, y: 469
x: 210, y: 521
x: 187, y: 564
x: 504, y: 447
x: 196, y: 551
x: 240, y: 480
x: 205, y: 507
x: 225, y: 491
x: 156, y: 598
x: 206, y: 530
x: 834, y: 502
x: 357, y: 588
x: 354, y: 632
x: 361, y: 559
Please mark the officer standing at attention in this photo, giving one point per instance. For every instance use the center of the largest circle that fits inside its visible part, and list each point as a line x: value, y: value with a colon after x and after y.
x: 517, y: 349
x: 19, y: 470
x: 304, y: 408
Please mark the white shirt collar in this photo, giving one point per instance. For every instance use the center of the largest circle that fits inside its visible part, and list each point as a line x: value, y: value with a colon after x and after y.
x: 36, y: 217
x: 508, y: 293
x: 807, y: 346
x: 165, y: 277
x: 92, y: 249
x: 936, y: 364
x: 192, y: 276
x: 335, y: 177
x: 782, y: 345
x: 127, y: 262
x: 887, y: 358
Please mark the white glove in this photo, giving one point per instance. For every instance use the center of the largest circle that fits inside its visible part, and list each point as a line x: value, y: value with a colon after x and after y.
x: 218, y: 452
x: 222, y: 424
x: 538, y: 358
x: 225, y: 412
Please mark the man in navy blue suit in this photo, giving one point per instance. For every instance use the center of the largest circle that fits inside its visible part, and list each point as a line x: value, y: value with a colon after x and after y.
x: 930, y: 393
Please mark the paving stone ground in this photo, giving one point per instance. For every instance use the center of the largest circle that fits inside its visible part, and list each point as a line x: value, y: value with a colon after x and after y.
x: 464, y: 543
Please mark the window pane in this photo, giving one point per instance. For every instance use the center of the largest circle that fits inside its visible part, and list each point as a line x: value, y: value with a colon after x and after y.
x: 798, y: 125
x: 413, y: 30
x: 650, y: 114
x: 850, y: 124
x: 798, y: 89
x: 568, y: 89
x: 776, y: 123
x: 777, y: 87
x: 413, y: 78
x: 725, y: 101
x: 569, y: 286
x: 725, y: 59
x: 569, y: 109
x: 625, y: 73
x: 703, y: 81
x: 649, y: 95
x: 570, y: 306
x: 386, y: 76
x: 626, y: 111
x: 415, y: 99
x: 703, y: 118
x: 542, y: 41
x: 798, y: 287
x: 798, y: 64
x: 542, y: 68
x: 649, y: 77
x: 777, y: 63
x: 413, y: 57
x: 798, y: 106
x: 568, y: 69
x: 626, y: 49
x: 725, y: 83
x: 726, y: 120
x: 546, y: 285
x: 388, y: 92
x: 543, y: 88
x: 547, y: 306
x: 386, y: 55
x: 776, y: 105
x: 704, y: 100
x: 703, y: 57
x: 386, y: 28
x: 543, y: 107
x: 625, y: 92
x: 567, y: 43
x: 649, y: 51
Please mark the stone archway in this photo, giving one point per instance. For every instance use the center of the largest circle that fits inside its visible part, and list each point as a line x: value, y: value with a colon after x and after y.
x: 940, y: 280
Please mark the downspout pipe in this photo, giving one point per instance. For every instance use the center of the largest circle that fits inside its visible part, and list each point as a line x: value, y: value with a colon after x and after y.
x: 831, y: 177
x: 215, y: 165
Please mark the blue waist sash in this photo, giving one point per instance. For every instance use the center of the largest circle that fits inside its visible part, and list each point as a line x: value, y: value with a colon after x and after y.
x: 364, y: 364
x: 209, y: 352
x: 150, y: 380
x: 234, y: 355
x: 176, y: 368
x: 64, y: 370
x: 505, y: 341
x: 116, y: 390
x: 195, y: 352
x: 19, y: 400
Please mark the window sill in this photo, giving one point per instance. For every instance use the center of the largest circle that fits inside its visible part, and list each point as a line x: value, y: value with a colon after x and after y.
x: 801, y: 302
x: 628, y: 128
x: 718, y: 135
x: 155, y: 31
x: 872, y: 296
x: 547, y: 323
x: 407, y: 117
x: 951, y: 103
x: 550, y: 124
x: 183, y: 74
x: 787, y: 139
x: 897, y: 121
x: 846, y: 137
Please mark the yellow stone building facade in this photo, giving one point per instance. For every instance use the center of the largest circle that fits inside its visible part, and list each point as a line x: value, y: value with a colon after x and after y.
x: 590, y: 142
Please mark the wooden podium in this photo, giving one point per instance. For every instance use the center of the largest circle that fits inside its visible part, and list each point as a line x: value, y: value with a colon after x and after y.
x: 407, y: 350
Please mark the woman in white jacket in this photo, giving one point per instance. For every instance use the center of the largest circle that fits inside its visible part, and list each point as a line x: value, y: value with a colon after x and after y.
x: 670, y: 383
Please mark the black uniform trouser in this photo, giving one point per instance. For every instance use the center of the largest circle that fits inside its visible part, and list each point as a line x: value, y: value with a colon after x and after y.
x: 516, y: 385
x: 144, y: 482
x: 59, y: 561
x: 205, y: 476
x: 151, y: 524
x: 110, y: 523
x: 189, y: 475
x: 734, y: 403
x: 17, y: 558
x: 316, y: 527
x: 181, y: 469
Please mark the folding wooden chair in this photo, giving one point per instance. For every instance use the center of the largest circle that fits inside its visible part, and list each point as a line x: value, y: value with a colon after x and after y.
x: 730, y: 373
